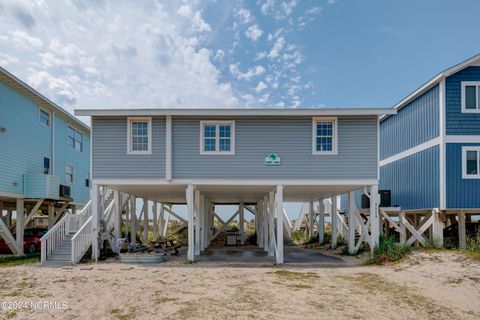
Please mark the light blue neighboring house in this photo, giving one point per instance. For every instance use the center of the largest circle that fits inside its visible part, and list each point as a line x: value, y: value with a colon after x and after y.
x: 44, y: 153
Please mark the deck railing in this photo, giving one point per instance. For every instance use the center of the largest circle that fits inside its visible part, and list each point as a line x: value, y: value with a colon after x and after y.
x: 81, y: 241
x: 54, y: 237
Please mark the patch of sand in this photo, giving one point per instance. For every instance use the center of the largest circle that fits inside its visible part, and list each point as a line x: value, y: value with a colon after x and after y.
x: 427, y: 285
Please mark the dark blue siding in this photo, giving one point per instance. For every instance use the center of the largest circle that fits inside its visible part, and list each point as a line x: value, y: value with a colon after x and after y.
x: 414, y: 124
x: 461, y: 193
x: 458, y: 123
x: 414, y: 180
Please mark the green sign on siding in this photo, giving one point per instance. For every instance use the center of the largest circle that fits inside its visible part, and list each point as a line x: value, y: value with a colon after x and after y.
x: 272, y: 160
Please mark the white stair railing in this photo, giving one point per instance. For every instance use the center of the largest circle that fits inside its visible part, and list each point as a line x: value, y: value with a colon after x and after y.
x: 54, y: 237
x: 287, y: 223
x: 81, y: 241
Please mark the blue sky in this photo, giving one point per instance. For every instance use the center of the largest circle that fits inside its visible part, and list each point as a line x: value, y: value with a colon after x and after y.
x: 326, y: 53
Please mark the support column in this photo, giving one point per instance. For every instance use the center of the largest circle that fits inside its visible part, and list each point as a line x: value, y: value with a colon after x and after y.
x: 311, y: 216
x: 133, y: 220
x: 351, y: 222
x: 266, y: 228
x: 271, y: 221
x: 401, y: 224
x: 437, y: 228
x: 9, y: 218
x: 117, y: 222
x: 321, y: 222
x: 197, y: 221
x: 242, y: 223
x: 374, y: 221
x: 259, y: 226
x: 333, y: 215
x: 145, y: 221
x: 190, y: 209
x: 201, y: 222
x: 96, y: 207
x: 279, y: 209
x: 51, y: 215
x: 462, y: 234
x: 20, y: 226
x: 155, y: 221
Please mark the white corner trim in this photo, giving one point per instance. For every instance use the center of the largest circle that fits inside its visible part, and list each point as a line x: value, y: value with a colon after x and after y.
x: 462, y: 139
x: 464, y: 96
x: 464, y: 162
x: 129, y: 135
x: 217, y: 151
x: 168, y: 147
x: 442, y: 149
x: 334, y: 151
x: 411, y: 151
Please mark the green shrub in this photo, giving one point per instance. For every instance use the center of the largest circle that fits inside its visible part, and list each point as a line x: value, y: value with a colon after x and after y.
x: 473, y: 247
x: 388, y: 251
x: 298, y: 237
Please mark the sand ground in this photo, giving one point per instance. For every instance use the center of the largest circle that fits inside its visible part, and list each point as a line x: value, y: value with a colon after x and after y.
x: 427, y: 285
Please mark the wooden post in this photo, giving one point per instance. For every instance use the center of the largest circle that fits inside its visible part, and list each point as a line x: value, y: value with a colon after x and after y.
x: 462, y: 234
x: 127, y: 215
x: 271, y: 221
x: 133, y: 220
x: 401, y: 224
x: 190, y: 208
x: 117, y: 222
x: 201, y: 222
x: 374, y: 219
x: 20, y: 226
x: 242, y: 223
x: 351, y: 222
x: 145, y: 221
x: 196, y: 219
x: 333, y: 215
x: 155, y: 221
x: 266, y: 227
x: 259, y: 217
x: 321, y: 222
x: 437, y: 228
x: 96, y: 207
x: 279, y: 208
x: 311, y: 216
x: 51, y: 215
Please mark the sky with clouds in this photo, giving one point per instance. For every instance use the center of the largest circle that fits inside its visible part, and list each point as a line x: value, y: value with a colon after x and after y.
x: 257, y: 53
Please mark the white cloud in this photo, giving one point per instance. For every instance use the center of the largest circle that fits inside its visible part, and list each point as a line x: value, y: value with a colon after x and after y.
x: 24, y: 39
x: 247, y: 75
x: 254, y: 32
x: 314, y: 10
x: 6, y: 60
x: 261, y: 86
x: 277, y: 47
x: 267, y: 6
x: 244, y: 15
x: 219, y: 55
x: 195, y: 17
x: 332, y: 1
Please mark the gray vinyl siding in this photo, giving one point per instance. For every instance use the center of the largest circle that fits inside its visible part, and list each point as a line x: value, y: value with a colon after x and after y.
x: 289, y: 138
x: 110, y: 159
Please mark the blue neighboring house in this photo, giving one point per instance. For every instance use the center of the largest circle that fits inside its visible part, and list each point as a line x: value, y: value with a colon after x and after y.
x: 44, y: 155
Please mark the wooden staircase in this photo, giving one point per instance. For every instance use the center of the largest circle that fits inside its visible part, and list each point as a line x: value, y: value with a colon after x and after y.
x: 62, y: 256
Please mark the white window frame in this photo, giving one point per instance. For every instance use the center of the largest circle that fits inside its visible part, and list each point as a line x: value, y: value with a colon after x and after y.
x: 40, y: 117
x: 129, y: 135
x: 464, y: 96
x: 334, y: 151
x: 73, y: 173
x: 464, y: 162
x: 217, y: 151
x: 75, y: 131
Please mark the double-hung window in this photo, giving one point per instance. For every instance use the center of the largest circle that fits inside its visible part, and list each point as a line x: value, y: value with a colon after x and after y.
x: 139, y: 135
x: 46, y: 165
x: 74, y: 139
x: 69, y: 173
x: 324, y: 136
x: 470, y: 96
x: 471, y: 162
x: 217, y: 137
x: 44, y: 117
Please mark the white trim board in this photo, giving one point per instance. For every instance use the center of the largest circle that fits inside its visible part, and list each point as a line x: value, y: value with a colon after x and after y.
x: 234, y: 182
x: 442, y: 151
x: 462, y: 139
x: 236, y: 112
x: 421, y: 147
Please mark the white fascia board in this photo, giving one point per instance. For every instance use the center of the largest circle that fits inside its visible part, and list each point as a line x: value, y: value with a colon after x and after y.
x: 233, y: 182
x: 411, y: 151
x: 236, y: 112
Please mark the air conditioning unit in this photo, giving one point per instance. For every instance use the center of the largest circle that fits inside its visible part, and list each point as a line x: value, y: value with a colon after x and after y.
x: 64, y: 191
x: 385, y: 199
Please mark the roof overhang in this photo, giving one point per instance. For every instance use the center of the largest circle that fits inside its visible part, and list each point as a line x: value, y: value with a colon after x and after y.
x: 36, y: 96
x: 236, y: 112
x: 435, y: 80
